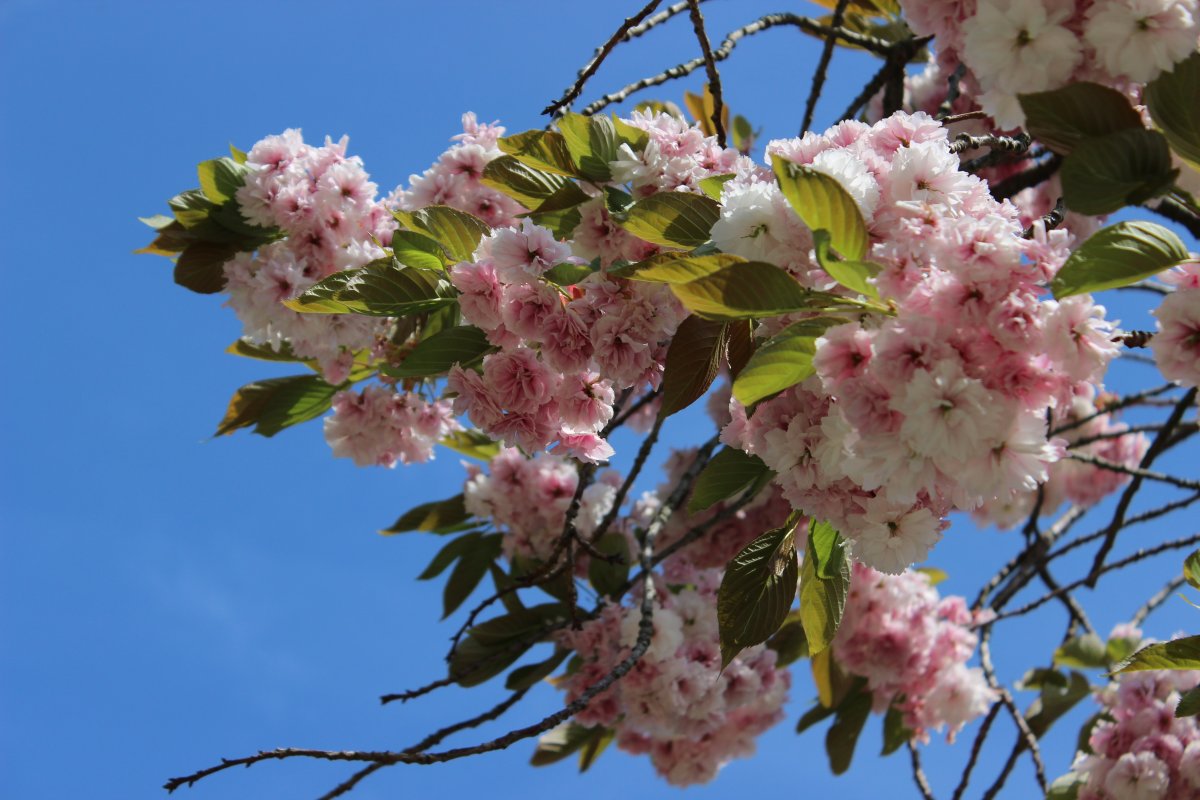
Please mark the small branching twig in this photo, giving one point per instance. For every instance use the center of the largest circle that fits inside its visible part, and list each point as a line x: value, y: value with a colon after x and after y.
x: 710, y: 66
x: 590, y: 68
x: 814, y: 94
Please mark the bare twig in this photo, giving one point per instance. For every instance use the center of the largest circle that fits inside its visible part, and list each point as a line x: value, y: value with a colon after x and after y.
x: 919, y: 773
x: 598, y: 59
x: 1157, y: 600
x: 976, y: 748
x: 814, y: 94
x: 710, y: 66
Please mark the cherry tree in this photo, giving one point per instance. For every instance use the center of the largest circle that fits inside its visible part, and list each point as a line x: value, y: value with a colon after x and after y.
x: 889, y: 322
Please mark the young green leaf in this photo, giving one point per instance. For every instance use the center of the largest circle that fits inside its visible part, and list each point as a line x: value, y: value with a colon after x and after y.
x: 382, y: 288
x: 441, y: 516
x: 567, y: 274
x: 592, y: 142
x: 467, y: 574
x: 727, y: 474
x: 491, y: 647
x: 1174, y: 102
x: 220, y: 179
x: 456, y: 231
x: 1062, y: 118
x: 757, y: 592
x: 1118, y: 255
x: 781, y: 362
x: 464, y: 344
x: 1176, y: 654
x: 823, y: 204
x: 854, y: 275
x: 789, y: 642
x: 532, y: 674
x: 451, y: 552
x: 608, y: 577
x: 1084, y: 652
x: 277, y: 403
x: 1191, y: 570
x: 201, y: 266
x: 824, y: 583
x: 543, y: 150
x: 842, y: 736
x: 1105, y: 174
x: 417, y: 250
x: 752, y: 289
x: 673, y: 219
x: 673, y: 267
x: 692, y: 362
x: 526, y: 184
x: 895, y: 732
x: 565, y: 740
x: 1189, y: 704
x: 1055, y: 701
x: 472, y: 444
x: 713, y: 186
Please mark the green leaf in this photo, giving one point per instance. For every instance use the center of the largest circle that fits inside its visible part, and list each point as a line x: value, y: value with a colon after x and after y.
x: 561, y: 223
x: 608, y: 578
x: 789, y: 642
x: 1118, y: 255
x: 264, y: 352
x: 441, y: 516
x: 1120, y: 648
x: 382, y: 289
x: 417, y: 250
x: 824, y: 583
x: 528, y: 185
x: 1191, y: 570
x: 220, y: 179
x: 456, y: 231
x: 1041, y: 677
x: 727, y: 474
x: 491, y: 647
x: 1055, y: 701
x: 1062, y: 118
x: 833, y: 683
x: 1174, y: 102
x: 567, y: 274
x: 464, y: 344
x: 743, y: 134
x: 752, y: 289
x: 472, y: 444
x: 895, y: 733
x: 1106, y: 174
x: 1066, y: 787
x: 842, y: 736
x: 201, y: 266
x: 470, y: 570
x: 823, y: 204
x: 527, y: 676
x: 592, y: 143
x: 563, y: 741
x: 451, y: 552
x: 934, y: 574
x: 851, y: 274
x: 277, y: 403
x: 191, y: 208
x: 636, y: 138
x: 780, y: 362
x: 544, y: 150
x: 814, y: 715
x: 673, y: 267
x: 673, y: 219
x: 741, y: 345
x: 757, y: 592
x: 693, y: 360
x: 1176, y: 654
x: 568, y: 196
x: 1189, y: 704
x: 616, y: 201
x: 1084, y: 652
x: 712, y: 186
x: 593, y: 747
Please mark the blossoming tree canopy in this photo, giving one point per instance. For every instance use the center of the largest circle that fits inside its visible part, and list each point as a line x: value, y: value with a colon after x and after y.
x: 888, y: 321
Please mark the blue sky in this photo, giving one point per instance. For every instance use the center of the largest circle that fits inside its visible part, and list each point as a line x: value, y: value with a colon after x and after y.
x: 166, y: 598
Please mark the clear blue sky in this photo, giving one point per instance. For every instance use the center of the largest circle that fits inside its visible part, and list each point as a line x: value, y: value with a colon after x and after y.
x: 167, y: 599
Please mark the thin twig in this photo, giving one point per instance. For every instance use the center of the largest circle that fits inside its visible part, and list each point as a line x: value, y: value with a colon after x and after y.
x: 590, y: 68
x: 814, y: 93
x: 1157, y: 600
x: 976, y: 748
x: 710, y: 66
x: 868, y: 91
x: 919, y: 773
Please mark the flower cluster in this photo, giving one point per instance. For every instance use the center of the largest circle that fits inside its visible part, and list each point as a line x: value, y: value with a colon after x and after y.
x: 942, y: 405
x: 912, y: 647
x: 1012, y: 47
x: 1177, y: 344
x: 324, y: 202
x: 528, y: 498
x: 455, y: 178
x: 1139, y: 750
x: 379, y: 426
x: 677, y: 705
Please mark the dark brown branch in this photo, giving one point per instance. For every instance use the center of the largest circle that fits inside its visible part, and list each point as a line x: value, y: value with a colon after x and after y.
x: 814, y: 93
x: 1156, y: 448
x: 710, y: 66
x: 1157, y: 600
x: 1027, y: 739
x: 918, y: 773
x: 976, y: 748
x: 868, y: 91
x: 1124, y: 402
x: 1172, y: 209
x: 1145, y: 474
x: 598, y: 59
x: 1030, y: 177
